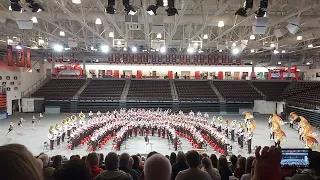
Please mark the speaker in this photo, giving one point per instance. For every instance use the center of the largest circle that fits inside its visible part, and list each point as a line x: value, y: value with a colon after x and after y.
x: 25, y: 24
x: 260, y: 25
x: 280, y: 32
x: 293, y: 25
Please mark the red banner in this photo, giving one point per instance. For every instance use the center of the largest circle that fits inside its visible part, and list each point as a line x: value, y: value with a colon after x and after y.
x: 28, y: 58
x: 10, y: 57
x: 20, y: 58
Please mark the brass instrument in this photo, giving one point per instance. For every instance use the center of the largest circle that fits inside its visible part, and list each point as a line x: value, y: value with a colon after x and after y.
x: 74, y: 117
x: 82, y: 116
x: 64, y: 122
x: 220, y: 119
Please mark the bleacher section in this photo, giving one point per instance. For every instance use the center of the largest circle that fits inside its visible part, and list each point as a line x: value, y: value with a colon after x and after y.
x: 150, y: 90
x: 237, y: 91
x: 103, y: 90
x: 195, y: 91
x: 272, y: 90
x: 59, y: 89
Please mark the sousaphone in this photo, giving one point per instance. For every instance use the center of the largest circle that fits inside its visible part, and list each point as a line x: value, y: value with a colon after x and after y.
x: 74, y: 117
x: 82, y: 116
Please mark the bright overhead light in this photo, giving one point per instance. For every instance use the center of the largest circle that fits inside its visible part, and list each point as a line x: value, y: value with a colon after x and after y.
x: 235, y: 51
x: 283, y: 51
x: 111, y: 34
x: 124, y: 49
x: 58, y: 47
x: 163, y: 49
x: 200, y: 51
x: 165, y: 3
x: 279, y: 62
x: 196, y: 44
x: 67, y: 49
x: 190, y: 50
x: 98, y: 21
x: 234, y: 44
x: 157, y: 50
x: 34, y: 47
x: 76, y: 1
x: 93, y: 48
x: 134, y: 49
x: 159, y: 36
x: 220, y: 50
x: 104, y: 48
x: 119, y: 43
x: 10, y: 41
x: 18, y: 47
x: 220, y: 24
x: 272, y: 45
x: 62, y: 33
x: 205, y: 36
x: 41, y: 41
x: 34, y: 20
x: 252, y: 50
x: 310, y: 45
x: 152, y: 10
x: 252, y: 37
x: 308, y: 63
x: 299, y: 38
x: 130, y: 9
x: 276, y: 51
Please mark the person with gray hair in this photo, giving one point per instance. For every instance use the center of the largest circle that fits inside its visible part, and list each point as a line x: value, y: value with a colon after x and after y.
x: 157, y: 167
x: 47, y: 171
x: 124, y: 161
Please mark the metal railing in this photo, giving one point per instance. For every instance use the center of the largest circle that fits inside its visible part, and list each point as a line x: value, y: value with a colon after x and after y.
x: 35, y: 86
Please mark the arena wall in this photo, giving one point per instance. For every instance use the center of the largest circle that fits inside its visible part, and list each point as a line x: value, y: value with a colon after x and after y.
x: 264, y: 107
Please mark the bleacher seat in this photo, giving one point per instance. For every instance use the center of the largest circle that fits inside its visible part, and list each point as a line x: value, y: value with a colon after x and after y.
x: 59, y: 89
x: 103, y: 90
x: 195, y: 91
x: 272, y: 90
x: 237, y: 91
x: 150, y: 90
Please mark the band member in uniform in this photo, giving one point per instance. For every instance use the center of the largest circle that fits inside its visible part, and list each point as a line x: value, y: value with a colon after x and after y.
x: 226, y: 128
x: 64, y: 129
x: 175, y: 143
x: 269, y: 121
x: 233, y: 127
x: 59, y: 133
x: 20, y: 123
x: 90, y: 115
x: 10, y: 128
x: 99, y: 114
x: 249, y: 140
x: 40, y: 117
x: 51, y: 136
x: 271, y: 133
x: 33, y: 121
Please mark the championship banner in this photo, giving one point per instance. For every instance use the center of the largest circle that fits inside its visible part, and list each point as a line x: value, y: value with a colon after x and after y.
x: 201, y: 59
x: 216, y: 59
x: 153, y: 58
x: 10, y: 57
x: 230, y: 60
x: 238, y: 60
x: 145, y: 58
x: 72, y: 58
x: 234, y: 61
x: 220, y: 59
x: 210, y: 59
x: 131, y: 58
x: 173, y: 58
x: 20, y: 58
x: 139, y: 58
x: 168, y: 59
x: 125, y: 58
x: 158, y: 59
x: 117, y: 58
x: 196, y: 59
x: 110, y: 58
x: 28, y: 58
x: 192, y: 59
x: 187, y: 59
x: 224, y: 59
x: 182, y: 59
x: 49, y: 57
x: 59, y: 58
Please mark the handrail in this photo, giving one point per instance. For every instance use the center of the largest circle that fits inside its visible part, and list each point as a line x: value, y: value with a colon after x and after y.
x: 30, y: 90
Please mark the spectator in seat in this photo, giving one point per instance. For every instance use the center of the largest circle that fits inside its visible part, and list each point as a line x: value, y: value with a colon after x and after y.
x: 17, y: 163
x: 173, y: 158
x: 101, y: 163
x: 75, y: 157
x: 57, y: 162
x: 314, y: 172
x: 112, y: 172
x: 193, y: 160
x: 247, y: 175
x: 214, y: 161
x: 93, y: 161
x: 136, y: 164
x: 207, y: 166
x: 124, y: 161
x: 180, y: 165
x: 47, y: 171
x: 157, y: 167
x: 84, y: 158
x: 74, y: 169
x: 131, y: 164
x: 240, y: 170
x: 224, y: 169
x: 234, y: 160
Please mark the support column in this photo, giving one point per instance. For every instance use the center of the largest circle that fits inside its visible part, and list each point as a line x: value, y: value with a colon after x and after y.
x: 289, y: 68
x: 53, y: 64
x: 42, y: 67
x: 84, y: 68
x: 253, y: 74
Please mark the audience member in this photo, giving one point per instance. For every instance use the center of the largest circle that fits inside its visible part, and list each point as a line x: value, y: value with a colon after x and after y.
x: 207, y: 166
x: 136, y: 164
x: 112, y: 172
x: 48, y: 172
x: 205, y: 155
x: 84, y: 158
x: 214, y: 161
x: 173, y: 158
x: 93, y: 161
x: 224, y: 169
x: 247, y: 175
x: 57, y: 162
x: 241, y: 168
x: 101, y: 159
x: 131, y: 164
x: 17, y: 163
x: 314, y: 172
x: 234, y: 160
x: 180, y: 165
x: 150, y: 154
x: 124, y: 161
x: 75, y: 156
x: 157, y: 167
x: 193, y: 160
x: 74, y: 169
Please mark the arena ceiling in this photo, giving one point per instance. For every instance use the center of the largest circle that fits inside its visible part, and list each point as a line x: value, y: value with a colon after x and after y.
x: 195, y: 20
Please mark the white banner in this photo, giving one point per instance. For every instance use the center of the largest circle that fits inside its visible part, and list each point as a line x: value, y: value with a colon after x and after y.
x: 27, y: 104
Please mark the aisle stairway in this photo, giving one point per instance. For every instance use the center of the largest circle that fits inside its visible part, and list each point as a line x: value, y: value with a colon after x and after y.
x: 125, y: 90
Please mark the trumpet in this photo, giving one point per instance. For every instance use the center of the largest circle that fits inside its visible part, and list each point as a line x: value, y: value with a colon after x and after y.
x: 82, y: 116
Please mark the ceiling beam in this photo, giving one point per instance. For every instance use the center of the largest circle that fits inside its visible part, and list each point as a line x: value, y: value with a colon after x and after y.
x: 146, y: 24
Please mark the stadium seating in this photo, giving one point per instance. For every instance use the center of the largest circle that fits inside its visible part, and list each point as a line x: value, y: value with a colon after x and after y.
x: 150, y: 90
x: 103, y: 90
x: 59, y: 89
x: 272, y: 90
x: 237, y: 91
x: 195, y: 91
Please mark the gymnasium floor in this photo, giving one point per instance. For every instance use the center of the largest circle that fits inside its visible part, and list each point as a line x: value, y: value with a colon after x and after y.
x: 33, y: 139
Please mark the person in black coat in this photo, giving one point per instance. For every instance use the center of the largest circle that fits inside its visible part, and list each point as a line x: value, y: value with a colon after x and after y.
x: 180, y: 165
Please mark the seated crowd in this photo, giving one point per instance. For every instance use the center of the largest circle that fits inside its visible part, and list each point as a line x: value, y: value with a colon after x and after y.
x: 18, y: 163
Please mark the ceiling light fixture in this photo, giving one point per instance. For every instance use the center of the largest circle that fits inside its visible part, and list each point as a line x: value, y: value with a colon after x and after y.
x: 196, y: 44
x: 190, y: 50
x: 272, y: 45
x: 152, y: 9
x: 58, y: 47
x: 279, y: 63
x: 235, y: 51
x: 276, y: 51
x: 252, y: 37
x: 105, y: 48
x: 98, y: 21
x: 171, y: 11
x: 283, y: 51
x: 220, y: 24
x: 163, y: 49
x: 310, y: 45
x: 125, y: 49
x: 111, y: 34
x: 62, y: 33
x: 205, y: 36
x: 234, y: 44
x: 18, y: 47
x: 34, y: 20
x: 220, y: 50
x: 119, y: 43
x: 134, y: 49
x: 299, y: 38
x: 76, y: 1
x: 308, y: 63
x: 252, y: 51
x: 159, y: 36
